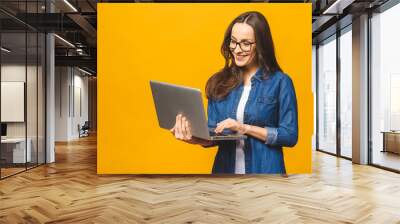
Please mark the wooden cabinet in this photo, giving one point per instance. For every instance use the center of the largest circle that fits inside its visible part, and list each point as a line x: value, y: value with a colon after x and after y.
x: 391, y: 141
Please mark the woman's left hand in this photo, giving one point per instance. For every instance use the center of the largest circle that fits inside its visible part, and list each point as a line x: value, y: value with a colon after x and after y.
x: 229, y: 123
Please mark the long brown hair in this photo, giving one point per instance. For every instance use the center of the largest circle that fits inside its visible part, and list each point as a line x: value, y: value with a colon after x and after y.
x: 230, y: 76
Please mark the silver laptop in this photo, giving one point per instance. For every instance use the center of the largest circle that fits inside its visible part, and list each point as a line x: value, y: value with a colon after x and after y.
x: 171, y: 100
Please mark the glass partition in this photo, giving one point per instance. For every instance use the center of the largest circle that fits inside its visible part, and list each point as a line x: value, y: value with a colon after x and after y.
x: 22, y: 77
x: 14, y: 153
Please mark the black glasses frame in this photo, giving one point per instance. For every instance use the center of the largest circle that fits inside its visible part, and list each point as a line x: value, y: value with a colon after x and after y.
x: 240, y: 45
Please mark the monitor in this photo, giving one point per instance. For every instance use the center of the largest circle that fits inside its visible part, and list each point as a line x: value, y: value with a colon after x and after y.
x: 3, y: 129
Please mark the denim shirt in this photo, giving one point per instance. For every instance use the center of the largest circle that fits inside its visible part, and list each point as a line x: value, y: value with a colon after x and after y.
x: 272, y: 105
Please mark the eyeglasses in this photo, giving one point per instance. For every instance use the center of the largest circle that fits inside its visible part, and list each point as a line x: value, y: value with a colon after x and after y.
x: 244, y: 45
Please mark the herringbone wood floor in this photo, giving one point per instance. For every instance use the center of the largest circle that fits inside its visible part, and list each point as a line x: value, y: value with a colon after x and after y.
x: 69, y: 191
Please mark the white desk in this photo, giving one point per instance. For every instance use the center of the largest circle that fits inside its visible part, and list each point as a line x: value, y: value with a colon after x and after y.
x: 18, y: 150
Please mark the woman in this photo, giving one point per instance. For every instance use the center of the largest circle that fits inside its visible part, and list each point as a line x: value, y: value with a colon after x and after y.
x: 250, y: 95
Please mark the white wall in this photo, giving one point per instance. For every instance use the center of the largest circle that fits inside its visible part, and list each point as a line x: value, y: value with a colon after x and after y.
x: 81, y: 102
x: 71, y: 93
x: 61, y: 103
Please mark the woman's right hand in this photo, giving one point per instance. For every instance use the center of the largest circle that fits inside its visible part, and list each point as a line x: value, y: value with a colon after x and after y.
x: 182, y: 130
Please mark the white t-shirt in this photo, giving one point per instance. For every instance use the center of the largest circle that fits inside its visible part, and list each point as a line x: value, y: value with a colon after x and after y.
x: 240, y: 164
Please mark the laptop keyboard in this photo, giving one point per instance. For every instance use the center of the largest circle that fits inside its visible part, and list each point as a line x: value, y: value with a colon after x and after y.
x: 217, y: 134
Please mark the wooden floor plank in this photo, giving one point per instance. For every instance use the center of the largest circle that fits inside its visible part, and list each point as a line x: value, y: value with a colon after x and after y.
x: 70, y: 191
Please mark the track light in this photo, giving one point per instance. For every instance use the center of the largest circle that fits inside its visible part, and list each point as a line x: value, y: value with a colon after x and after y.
x: 70, y: 5
x: 5, y: 50
x: 64, y: 40
x: 337, y: 7
x: 84, y: 71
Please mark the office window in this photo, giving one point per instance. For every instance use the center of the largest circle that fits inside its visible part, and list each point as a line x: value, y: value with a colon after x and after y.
x: 385, y: 88
x: 327, y: 95
x: 346, y: 93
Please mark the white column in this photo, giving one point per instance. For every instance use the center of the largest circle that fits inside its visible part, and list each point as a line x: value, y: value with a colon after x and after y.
x: 360, y: 90
x: 50, y: 92
x: 50, y: 100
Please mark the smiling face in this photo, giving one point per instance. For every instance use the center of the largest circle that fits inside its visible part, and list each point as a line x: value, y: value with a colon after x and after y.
x: 243, y: 44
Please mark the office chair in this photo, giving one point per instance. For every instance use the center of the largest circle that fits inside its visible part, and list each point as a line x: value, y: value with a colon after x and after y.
x: 84, y: 130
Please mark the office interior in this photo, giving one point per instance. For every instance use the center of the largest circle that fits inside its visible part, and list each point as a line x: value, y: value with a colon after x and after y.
x: 354, y: 67
x: 48, y: 81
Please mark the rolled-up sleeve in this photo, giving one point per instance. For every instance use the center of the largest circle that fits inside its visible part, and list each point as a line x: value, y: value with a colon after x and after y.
x: 286, y: 134
x: 272, y: 134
